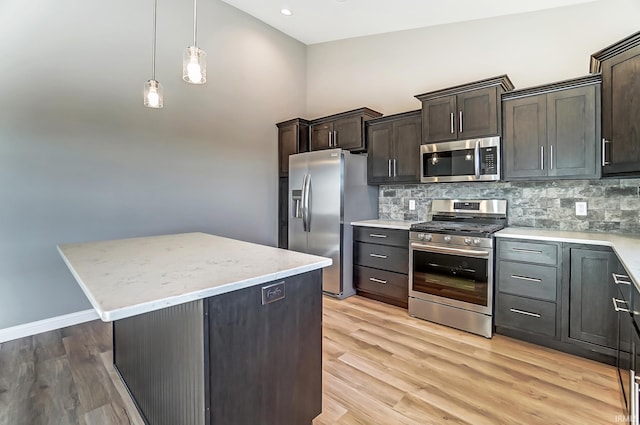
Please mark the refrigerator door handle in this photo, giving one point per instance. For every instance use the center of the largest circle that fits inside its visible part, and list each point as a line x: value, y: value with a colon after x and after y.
x: 306, y: 184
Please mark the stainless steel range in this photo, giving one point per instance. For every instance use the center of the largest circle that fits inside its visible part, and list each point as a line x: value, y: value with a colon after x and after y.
x: 451, y: 264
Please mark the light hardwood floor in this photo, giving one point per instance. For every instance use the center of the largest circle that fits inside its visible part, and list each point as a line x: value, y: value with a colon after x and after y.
x: 380, y: 367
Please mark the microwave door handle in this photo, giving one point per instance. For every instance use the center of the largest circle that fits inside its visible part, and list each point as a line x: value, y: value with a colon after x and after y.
x: 476, y: 158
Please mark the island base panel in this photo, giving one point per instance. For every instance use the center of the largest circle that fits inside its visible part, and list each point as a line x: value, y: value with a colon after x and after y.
x: 251, y: 356
x: 266, y: 360
x: 160, y: 358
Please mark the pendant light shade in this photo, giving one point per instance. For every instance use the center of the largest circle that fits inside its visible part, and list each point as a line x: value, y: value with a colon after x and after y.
x: 194, y: 60
x: 153, y: 92
x: 194, y: 65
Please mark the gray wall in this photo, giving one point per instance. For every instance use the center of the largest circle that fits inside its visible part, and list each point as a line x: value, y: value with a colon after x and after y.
x: 81, y: 159
x: 613, y: 205
x: 385, y: 71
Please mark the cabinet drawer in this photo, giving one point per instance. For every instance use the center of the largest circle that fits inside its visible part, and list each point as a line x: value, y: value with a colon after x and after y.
x: 381, y: 282
x: 383, y: 257
x: 526, y: 314
x: 530, y: 252
x: 382, y: 236
x: 529, y: 280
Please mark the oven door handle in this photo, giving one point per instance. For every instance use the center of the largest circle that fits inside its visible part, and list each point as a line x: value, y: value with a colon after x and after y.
x: 444, y: 250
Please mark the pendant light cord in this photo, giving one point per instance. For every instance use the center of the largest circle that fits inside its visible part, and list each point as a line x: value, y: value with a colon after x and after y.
x: 195, y: 21
x: 153, y: 51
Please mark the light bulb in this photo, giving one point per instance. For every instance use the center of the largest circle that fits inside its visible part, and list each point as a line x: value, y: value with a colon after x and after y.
x: 153, y: 94
x: 154, y: 98
x: 194, y: 65
x: 193, y: 70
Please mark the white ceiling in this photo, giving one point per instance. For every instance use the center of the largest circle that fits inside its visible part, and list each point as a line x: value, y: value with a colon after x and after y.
x: 317, y: 21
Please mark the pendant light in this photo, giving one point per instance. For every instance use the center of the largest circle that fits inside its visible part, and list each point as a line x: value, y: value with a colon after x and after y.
x: 194, y: 61
x: 153, y: 91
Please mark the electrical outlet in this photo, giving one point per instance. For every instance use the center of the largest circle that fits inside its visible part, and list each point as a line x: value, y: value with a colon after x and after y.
x: 412, y: 204
x: 581, y: 208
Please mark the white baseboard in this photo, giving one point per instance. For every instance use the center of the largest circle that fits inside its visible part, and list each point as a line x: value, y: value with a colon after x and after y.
x: 46, y: 325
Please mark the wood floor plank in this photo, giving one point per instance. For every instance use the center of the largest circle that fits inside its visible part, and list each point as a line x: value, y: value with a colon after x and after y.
x: 15, y: 405
x: 87, y: 370
x: 54, y: 399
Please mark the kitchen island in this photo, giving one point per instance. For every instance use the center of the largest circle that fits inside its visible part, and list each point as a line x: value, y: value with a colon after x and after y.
x: 209, y: 330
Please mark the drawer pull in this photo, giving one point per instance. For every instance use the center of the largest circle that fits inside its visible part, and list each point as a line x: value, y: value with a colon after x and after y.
x: 376, y: 235
x: 616, y: 308
x: 377, y: 256
x: 373, y: 279
x: 528, y: 251
x: 526, y: 313
x: 620, y: 279
x: 528, y: 279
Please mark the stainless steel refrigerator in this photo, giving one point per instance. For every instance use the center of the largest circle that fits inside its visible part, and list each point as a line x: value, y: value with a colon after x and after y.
x: 327, y: 191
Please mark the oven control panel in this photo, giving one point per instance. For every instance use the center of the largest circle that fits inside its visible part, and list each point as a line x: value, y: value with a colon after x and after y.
x: 437, y: 238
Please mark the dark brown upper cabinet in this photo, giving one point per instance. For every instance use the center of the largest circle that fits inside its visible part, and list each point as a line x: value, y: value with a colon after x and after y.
x: 463, y: 112
x: 344, y: 130
x: 553, y: 131
x: 394, y: 148
x: 620, y: 68
x: 293, y: 137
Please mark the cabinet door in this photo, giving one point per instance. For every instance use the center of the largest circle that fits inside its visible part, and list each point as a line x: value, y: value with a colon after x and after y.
x: 621, y: 112
x: 478, y: 113
x: 406, y: 149
x: 287, y: 145
x: 526, y: 314
x: 383, y: 257
x: 379, y: 168
x: 439, y: 119
x: 393, y: 287
x: 321, y: 136
x: 571, y: 133
x: 525, y: 137
x: 348, y: 133
x: 592, y: 318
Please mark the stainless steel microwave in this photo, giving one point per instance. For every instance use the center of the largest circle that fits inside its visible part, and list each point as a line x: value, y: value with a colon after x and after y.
x: 461, y: 161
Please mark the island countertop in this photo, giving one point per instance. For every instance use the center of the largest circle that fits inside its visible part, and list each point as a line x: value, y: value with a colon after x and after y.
x: 126, y: 277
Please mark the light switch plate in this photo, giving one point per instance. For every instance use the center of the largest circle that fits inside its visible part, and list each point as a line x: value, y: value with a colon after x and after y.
x: 581, y: 208
x: 412, y: 204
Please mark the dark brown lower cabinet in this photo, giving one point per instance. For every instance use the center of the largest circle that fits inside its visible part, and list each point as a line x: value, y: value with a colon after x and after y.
x: 592, y: 319
x: 562, y: 302
x: 231, y: 359
x: 381, y: 264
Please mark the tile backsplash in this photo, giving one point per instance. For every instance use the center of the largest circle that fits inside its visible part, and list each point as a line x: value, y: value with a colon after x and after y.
x: 613, y: 205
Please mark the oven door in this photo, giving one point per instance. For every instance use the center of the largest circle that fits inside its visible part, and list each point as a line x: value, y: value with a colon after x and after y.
x: 457, y: 276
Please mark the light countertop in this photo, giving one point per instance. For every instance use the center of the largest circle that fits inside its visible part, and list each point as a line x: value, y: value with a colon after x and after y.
x: 127, y: 277
x: 387, y: 224
x: 627, y: 248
